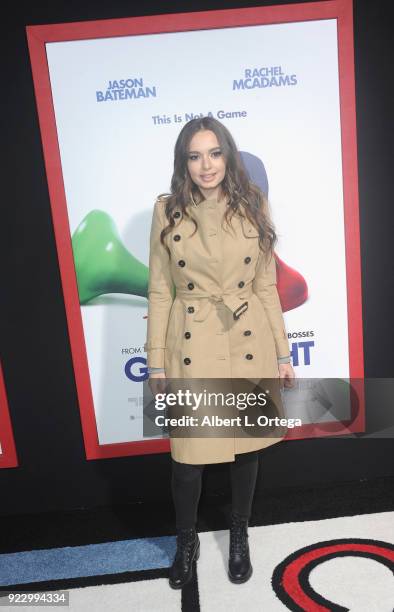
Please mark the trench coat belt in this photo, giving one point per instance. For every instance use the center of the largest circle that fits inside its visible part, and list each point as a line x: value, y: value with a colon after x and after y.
x: 234, y: 300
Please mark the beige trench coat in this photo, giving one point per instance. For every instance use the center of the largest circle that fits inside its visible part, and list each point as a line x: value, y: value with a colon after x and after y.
x: 217, y: 272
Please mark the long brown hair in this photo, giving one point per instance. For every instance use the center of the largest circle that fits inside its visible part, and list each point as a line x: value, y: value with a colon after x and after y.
x: 244, y: 197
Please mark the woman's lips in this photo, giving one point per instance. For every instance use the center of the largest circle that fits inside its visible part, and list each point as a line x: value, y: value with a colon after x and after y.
x: 207, y: 177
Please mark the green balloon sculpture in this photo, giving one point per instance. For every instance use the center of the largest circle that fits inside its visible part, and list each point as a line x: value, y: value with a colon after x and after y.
x: 102, y: 262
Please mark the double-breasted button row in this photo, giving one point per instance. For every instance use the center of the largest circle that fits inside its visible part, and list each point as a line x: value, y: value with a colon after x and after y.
x: 248, y: 332
x: 241, y: 283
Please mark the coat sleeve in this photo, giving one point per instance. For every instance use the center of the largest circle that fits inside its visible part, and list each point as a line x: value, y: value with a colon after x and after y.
x: 264, y: 285
x: 160, y: 291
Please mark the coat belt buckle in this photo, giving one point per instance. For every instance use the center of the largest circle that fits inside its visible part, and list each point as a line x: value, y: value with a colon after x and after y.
x: 240, y: 310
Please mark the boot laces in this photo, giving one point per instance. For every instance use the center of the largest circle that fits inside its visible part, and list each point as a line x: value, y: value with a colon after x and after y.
x: 238, y: 536
x: 186, y: 540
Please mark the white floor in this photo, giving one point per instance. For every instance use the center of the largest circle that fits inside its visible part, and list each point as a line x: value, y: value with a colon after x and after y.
x: 359, y: 584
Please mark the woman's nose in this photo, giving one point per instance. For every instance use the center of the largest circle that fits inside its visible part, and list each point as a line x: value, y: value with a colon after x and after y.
x: 206, y: 161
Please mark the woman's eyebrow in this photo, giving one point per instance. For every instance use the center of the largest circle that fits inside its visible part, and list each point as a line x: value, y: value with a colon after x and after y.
x: 213, y: 149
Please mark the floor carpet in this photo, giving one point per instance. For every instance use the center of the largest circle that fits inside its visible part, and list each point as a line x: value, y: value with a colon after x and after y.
x: 342, y: 562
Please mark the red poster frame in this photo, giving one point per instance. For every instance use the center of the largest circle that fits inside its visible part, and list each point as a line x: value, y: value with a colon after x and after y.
x: 38, y: 36
x: 8, y: 456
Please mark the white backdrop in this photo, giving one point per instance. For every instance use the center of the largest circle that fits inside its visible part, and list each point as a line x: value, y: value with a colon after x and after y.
x: 117, y: 158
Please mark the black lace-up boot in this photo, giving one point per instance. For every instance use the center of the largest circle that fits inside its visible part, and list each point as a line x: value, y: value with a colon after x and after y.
x: 239, y: 566
x: 187, y: 552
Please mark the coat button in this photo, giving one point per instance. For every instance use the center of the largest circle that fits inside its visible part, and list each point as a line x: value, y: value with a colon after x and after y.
x: 177, y: 215
x: 247, y: 259
x: 249, y: 356
x: 241, y: 284
x: 181, y: 263
x: 177, y: 237
x: 187, y: 335
x: 247, y: 332
x: 190, y: 309
x: 190, y: 286
x: 187, y: 361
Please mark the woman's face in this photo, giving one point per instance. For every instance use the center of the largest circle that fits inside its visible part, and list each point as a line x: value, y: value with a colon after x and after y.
x: 206, y: 163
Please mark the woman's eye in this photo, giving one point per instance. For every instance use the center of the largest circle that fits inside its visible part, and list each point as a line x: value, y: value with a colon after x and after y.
x: 217, y: 153
x: 192, y: 157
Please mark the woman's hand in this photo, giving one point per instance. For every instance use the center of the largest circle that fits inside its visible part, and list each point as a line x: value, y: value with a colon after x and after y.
x: 157, y: 382
x: 286, y: 374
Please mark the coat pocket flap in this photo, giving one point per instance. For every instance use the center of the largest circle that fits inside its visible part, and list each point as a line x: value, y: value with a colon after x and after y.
x: 249, y: 229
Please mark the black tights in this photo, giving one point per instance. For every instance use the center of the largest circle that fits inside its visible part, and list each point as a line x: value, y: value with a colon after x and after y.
x: 186, y: 487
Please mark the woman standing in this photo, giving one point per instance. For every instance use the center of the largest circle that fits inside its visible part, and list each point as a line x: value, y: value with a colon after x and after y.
x: 212, y: 239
